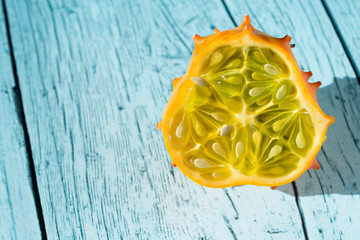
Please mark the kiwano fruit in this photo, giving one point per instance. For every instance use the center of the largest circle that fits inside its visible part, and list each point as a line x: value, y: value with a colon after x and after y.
x: 244, y: 112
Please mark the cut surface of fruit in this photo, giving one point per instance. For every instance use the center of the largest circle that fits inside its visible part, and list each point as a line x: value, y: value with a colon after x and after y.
x: 243, y: 113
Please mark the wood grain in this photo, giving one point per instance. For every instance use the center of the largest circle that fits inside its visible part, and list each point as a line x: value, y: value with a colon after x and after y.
x: 329, y: 198
x: 18, y: 218
x: 95, y: 78
x: 346, y: 19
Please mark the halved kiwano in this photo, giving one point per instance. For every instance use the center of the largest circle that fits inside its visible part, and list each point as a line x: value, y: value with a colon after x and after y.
x: 244, y: 113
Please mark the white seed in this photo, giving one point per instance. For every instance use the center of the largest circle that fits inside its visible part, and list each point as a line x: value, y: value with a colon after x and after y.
x: 201, y: 163
x: 271, y: 69
x: 300, y: 140
x: 219, y: 116
x: 281, y: 92
x: 256, y: 91
x: 278, y: 125
x: 224, y: 130
x: 276, y: 150
x: 218, y: 149
x: 180, y: 130
x: 256, y: 137
x: 239, y: 149
x: 216, y: 58
x: 199, y: 81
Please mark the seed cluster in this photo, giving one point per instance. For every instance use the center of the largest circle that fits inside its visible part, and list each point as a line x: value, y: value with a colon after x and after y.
x: 243, y: 113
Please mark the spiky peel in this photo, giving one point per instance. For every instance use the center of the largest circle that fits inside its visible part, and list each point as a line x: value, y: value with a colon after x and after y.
x: 216, y: 123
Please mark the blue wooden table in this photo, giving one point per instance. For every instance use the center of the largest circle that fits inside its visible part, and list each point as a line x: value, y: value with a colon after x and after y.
x: 82, y: 85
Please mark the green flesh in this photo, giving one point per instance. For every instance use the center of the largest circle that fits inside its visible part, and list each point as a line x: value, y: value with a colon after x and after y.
x: 248, y: 89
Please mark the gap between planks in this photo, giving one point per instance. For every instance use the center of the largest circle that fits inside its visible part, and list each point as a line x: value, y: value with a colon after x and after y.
x: 302, y: 217
x: 21, y: 115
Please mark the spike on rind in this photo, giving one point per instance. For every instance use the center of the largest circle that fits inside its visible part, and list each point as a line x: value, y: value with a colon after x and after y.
x: 176, y: 81
x: 198, y: 39
x: 173, y: 164
x: 247, y: 28
x: 316, y: 85
x: 216, y: 31
x: 312, y: 88
x: 273, y: 187
x: 246, y: 22
x: 286, y: 39
x: 308, y: 75
x: 159, y: 125
x: 314, y: 165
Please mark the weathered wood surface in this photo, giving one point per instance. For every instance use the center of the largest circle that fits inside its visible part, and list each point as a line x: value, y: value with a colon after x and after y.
x: 346, y: 18
x: 329, y: 198
x: 18, y: 218
x: 95, y: 78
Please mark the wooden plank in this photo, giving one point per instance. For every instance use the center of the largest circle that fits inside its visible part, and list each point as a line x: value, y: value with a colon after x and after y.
x: 346, y: 19
x: 18, y: 218
x: 95, y: 78
x: 329, y: 198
